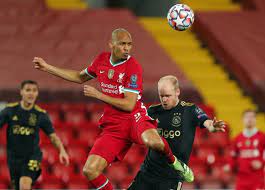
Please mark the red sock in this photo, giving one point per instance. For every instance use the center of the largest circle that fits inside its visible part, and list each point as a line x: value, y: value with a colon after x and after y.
x: 102, y: 183
x: 167, y: 151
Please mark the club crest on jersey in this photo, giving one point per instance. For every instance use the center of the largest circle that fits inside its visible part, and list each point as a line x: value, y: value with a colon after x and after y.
x: 110, y: 73
x: 121, y: 75
x: 32, y: 119
x: 176, y: 121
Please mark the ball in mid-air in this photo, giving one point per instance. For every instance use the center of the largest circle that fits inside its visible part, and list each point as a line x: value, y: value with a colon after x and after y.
x: 180, y: 17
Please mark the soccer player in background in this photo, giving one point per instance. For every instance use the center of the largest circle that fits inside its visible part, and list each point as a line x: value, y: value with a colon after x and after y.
x: 177, y: 123
x: 125, y: 120
x: 247, y: 155
x: 24, y: 120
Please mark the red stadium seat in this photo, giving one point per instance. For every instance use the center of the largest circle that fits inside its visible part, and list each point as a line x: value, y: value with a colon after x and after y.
x: 219, y: 139
x: 211, y: 185
x: 63, y: 172
x: 200, y: 171
x: 83, y: 184
x: 50, y: 154
x: 135, y: 155
x: 66, y: 135
x: 52, y: 184
x: 208, y: 153
x: 75, y: 117
x: 117, y: 172
x: 77, y: 154
x: 87, y: 137
x: 78, y: 178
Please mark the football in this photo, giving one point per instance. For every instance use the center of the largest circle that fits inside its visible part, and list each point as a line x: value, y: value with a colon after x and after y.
x: 180, y: 17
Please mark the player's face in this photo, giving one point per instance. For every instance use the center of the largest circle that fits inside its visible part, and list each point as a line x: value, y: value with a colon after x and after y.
x: 249, y: 119
x: 29, y: 93
x: 122, y: 46
x: 168, y: 95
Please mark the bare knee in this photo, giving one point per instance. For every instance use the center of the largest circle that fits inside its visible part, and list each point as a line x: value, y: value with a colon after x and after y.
x: 91, y: 171
x: 25, y: 183
x: 94, y: 166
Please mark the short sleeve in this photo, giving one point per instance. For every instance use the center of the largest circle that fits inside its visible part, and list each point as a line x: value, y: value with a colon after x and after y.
x: 134, y: 78
x: 3, y: 117
x: 92, y: 69
x: 199, y: 115
x: 46, y: 124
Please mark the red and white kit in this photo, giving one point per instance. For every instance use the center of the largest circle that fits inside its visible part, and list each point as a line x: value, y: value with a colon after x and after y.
x: 120, y: 128
x: 246, y: 150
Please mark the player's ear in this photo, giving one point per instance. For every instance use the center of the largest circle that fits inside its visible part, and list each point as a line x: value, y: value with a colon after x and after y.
x: 177, y: 91
x: 110, y: 45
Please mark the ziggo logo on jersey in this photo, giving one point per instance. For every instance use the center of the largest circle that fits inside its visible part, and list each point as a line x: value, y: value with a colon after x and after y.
x: 168, y: 133
x: 20, y: 130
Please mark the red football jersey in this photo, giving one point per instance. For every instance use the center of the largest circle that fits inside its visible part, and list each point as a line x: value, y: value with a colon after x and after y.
x: 244, y: 151
x: 114, y: 80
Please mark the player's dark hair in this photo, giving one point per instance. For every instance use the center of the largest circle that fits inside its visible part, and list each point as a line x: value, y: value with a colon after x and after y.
x: 23, y: 83
x: 249, y: 111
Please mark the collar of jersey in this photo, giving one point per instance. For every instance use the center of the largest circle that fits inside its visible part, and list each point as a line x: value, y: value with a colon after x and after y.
x: 250, y: 132
x: 119, y: 63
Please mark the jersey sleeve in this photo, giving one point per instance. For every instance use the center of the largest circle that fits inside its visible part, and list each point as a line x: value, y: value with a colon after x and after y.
x: 134, y: 78
x: 91, y: 70
x: 199, y: 115
x: 46, y: 124
x: 3, y: 117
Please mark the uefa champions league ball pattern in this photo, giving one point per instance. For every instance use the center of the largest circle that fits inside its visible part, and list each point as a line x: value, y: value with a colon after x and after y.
x: 180, y: 17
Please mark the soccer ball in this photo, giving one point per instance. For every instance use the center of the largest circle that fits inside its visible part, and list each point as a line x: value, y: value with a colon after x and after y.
x: 180, y: 17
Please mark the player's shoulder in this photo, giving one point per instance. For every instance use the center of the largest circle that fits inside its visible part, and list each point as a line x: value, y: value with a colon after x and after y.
x: 187, y: 104
x: 39, y: 109
x: 12, y: 104
x: 102, y: 56
x: 134, y: 62
x: 155, y: 108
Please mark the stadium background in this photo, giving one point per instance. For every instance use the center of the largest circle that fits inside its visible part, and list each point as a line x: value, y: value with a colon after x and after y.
x: 220, y: 64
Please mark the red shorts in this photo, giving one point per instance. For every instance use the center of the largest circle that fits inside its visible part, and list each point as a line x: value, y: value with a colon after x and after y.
x: 247, y: 184
x: 116, y: 138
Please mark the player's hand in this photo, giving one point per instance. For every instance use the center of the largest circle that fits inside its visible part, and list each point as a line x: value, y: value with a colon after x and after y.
x: 64, y: 158
x: 40, y: 64
x: 218, y: 125
x: 256, y: 164
x: 90, y: 91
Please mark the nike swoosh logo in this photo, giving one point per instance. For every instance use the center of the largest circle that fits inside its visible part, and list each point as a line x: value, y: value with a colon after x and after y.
x: 101, y: 72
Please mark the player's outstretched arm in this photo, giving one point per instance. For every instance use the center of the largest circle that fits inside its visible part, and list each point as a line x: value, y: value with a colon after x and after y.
x: 67, y: 74
x: 63, y: 156
x: 126, y: 104
x: 214, y: 125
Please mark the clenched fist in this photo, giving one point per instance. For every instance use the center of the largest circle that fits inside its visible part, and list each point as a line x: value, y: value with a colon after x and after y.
x: 91, y: 92
x: 40, y: 64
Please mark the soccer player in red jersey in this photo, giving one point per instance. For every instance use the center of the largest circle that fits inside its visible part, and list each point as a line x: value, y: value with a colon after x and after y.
x: 125, y: 120
x: 247, y: 155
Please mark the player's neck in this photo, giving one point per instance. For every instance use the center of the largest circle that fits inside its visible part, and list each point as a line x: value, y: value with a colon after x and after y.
x: 114, y: 60
x: 249, y: 132
x: 26, y: 106
x: 177, y: 102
